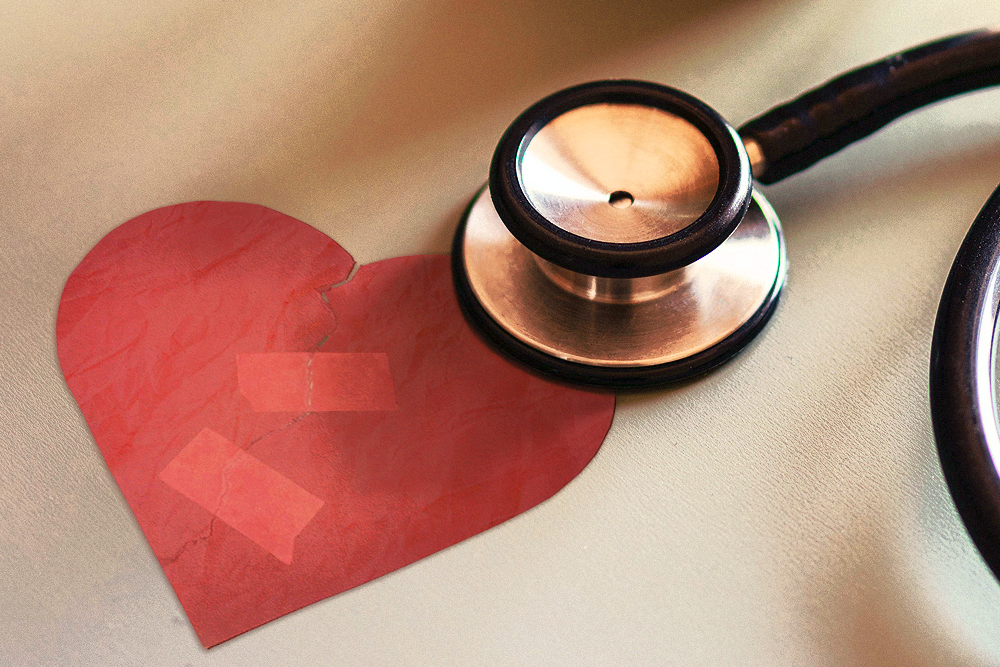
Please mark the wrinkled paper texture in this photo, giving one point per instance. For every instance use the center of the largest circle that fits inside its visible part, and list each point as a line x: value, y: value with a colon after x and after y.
x: 282, y: 433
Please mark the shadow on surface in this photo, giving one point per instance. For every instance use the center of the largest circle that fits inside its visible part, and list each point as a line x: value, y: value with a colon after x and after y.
x: 451, y: 58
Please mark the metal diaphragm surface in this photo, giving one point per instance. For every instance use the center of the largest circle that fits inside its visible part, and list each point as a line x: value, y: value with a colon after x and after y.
x: 658, y: 172
x: 620, y: 179
x: 618, y: 333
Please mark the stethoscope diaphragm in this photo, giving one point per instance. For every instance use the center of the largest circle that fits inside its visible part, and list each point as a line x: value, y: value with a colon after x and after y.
x: 619, y: 242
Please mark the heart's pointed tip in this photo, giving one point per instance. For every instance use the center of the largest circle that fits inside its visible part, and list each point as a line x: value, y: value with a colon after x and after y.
x: 432, y: 440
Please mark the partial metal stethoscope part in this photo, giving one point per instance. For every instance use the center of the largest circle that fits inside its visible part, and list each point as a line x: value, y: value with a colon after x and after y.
x: 621, y: 242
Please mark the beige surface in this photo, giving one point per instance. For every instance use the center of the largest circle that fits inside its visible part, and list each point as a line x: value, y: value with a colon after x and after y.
x: 786, y: 510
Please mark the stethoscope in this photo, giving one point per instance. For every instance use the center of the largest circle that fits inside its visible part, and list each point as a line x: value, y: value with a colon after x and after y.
x: 620, y: 242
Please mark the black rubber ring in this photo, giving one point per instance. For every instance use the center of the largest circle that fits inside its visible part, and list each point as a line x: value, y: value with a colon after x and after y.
x: 961, y: 370
x: 622, y: 260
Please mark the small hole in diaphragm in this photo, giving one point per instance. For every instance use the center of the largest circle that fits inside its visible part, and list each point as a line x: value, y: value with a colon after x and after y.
x: 621, y: 199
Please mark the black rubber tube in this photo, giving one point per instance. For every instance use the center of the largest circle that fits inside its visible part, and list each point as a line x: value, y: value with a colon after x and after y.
x: 963, y: 408
x: 820, y: 122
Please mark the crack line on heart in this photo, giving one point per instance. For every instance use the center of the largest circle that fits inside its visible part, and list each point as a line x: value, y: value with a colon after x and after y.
x: 223, y: 492
x: 324, y: 297
x: 309, y: 375
x: 277, y: 429
x: 324, y: 291
x: 192, y: 542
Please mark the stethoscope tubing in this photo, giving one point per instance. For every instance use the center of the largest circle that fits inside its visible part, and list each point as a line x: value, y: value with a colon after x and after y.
x: 820, y: 122
x: 781, y: 142
x: 962, y: 382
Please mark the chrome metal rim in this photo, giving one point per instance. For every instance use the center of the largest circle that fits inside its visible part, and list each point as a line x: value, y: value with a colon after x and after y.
x: 618, y: 332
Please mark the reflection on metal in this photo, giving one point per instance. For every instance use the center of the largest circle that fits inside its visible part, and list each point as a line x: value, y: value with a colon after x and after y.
x: 984, y: 343
x: 610, y: 290
x: 756, y: 154
x: 622, y: 322
x: 619, y: 173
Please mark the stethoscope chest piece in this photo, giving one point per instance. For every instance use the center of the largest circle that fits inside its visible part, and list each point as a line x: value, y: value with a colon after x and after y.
x: 619, y: 241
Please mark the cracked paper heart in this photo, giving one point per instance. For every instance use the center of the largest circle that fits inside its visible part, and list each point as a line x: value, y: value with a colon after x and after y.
x: 284, y: 430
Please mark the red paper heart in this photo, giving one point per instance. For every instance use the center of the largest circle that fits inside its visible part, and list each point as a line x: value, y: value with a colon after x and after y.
x: 282, y: 437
